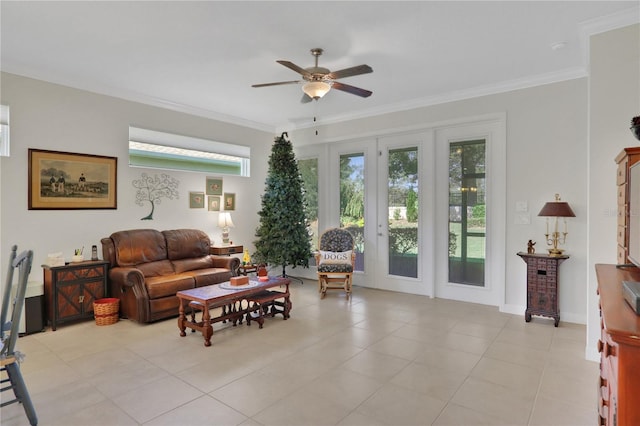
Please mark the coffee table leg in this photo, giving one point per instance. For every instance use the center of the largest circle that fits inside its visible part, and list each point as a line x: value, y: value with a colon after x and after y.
x: 287, y: 307
x: 207, y: 329
x: 287, y: 303
x: 181, y: 319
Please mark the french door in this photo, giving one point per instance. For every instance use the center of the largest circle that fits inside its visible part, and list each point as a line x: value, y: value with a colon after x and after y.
x: 404, y: 216
x: 397, y: 193
x: 471, y: 165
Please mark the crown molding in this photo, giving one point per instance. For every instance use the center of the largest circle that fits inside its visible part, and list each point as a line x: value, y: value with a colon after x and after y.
x: 132, y: 96
x: 614, y: 21
x: 502, y: 87
x: 587, y: 29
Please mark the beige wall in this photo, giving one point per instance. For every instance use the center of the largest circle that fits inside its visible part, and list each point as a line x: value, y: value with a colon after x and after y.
x: 53, y: 117
x: 546, y: 153
x: 614, y: 98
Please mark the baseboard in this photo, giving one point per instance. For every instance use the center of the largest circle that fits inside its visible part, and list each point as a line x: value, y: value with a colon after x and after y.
x: 564, y: 316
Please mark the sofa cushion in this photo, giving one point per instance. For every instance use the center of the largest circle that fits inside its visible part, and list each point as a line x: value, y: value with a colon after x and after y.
x: 183, y: 265
x: 138, y: 246
x: 186, y: 243
x: 156, y: 269
x: 210, y: 276
x: 163, y: 286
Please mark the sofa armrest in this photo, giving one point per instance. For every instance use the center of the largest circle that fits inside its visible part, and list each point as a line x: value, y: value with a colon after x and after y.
x: 229, y: 262
x: 128, y: 285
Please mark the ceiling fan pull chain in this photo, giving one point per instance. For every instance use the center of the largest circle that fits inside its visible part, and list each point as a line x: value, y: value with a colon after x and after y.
x: 315, y: 116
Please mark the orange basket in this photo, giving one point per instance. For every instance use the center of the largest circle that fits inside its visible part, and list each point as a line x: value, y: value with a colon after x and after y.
x: 106, y: 310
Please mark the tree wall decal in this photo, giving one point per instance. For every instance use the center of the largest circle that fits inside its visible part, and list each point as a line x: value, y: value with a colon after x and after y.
x: 153, y: 189
x: 283, y: 232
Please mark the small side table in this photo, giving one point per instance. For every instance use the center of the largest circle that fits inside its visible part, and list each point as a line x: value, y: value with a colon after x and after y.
x: 227, y: 250
x: 247, y: 269
x: 542, y: 285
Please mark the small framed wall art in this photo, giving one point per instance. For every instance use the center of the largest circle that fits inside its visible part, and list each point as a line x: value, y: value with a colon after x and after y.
x: 213, y: 201
x: 214, y: 186
x: 229, y: 201
x: 196, y: 200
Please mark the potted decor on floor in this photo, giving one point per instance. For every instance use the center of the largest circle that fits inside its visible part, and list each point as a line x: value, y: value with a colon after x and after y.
x: 283, y: 232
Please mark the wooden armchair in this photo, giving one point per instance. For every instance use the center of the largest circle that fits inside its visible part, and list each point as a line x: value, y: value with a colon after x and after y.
x: 335, y: 261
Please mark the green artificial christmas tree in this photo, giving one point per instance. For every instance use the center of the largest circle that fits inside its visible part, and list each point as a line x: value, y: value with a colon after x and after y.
x: 283, y: 236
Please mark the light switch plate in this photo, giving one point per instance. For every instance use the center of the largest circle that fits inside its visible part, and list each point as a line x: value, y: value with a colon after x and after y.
x: 523, y: 219
x: 522, y: 206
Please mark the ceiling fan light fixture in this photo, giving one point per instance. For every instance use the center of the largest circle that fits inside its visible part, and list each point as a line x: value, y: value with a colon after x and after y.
x: 316, y: 89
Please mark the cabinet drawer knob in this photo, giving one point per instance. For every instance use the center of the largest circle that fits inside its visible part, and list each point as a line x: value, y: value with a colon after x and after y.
x: 603, y: 382
x: 606, y: 349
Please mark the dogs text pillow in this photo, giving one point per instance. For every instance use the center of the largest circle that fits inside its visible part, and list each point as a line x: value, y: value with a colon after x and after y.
x: 333, y: 257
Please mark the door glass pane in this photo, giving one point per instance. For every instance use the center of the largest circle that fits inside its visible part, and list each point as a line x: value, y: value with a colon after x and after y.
x: 309, y: 172
x: 467, y: 231
x: 403, y: 212
x: 352, y: 201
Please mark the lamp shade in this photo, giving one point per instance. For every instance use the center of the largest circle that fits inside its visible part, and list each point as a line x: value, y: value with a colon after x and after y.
x: 557, y: 208
x: 224, y: 220
x: 316, y: 89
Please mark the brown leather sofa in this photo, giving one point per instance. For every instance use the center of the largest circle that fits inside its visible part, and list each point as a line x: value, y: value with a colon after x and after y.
x: 147, y: 268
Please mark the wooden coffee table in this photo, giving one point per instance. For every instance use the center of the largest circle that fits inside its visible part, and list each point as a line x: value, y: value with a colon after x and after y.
x: 220, y: 295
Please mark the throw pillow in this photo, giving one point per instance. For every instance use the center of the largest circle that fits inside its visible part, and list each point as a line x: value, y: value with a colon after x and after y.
x: 335, y: 258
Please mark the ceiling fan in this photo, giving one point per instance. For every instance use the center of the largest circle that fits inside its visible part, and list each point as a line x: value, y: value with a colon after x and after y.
x: 318, y: 81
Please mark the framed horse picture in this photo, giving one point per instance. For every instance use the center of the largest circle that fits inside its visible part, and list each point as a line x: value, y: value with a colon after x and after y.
x: 65, y: 180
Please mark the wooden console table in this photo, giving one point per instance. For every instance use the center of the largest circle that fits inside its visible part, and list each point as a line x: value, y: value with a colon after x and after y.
x: 542, y: 285
x: 212, y: 296
x: 226, y: 250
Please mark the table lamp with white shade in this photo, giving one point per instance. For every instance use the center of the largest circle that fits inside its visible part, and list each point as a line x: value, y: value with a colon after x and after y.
x: 225, y: 222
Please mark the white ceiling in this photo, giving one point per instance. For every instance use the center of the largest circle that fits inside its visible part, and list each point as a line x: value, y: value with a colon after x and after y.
x: 202, y: 57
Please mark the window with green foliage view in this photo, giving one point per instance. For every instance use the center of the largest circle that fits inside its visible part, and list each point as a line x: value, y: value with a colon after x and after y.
x: 403, y: 212
x: 309, y: 173
x: 467, y: 218
x: 352, y: 201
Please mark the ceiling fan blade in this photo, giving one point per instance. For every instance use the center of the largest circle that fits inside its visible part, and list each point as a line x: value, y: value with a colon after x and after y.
x: 305, y: 98
x: 351, y: 89
x: 279, y: 83
x: 348, y: 72
x: 295, y: 68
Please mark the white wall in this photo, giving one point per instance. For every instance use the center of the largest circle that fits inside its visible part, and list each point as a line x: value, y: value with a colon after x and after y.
x: 614, y: 98
x: 53, y: 117
x: 546, y: 153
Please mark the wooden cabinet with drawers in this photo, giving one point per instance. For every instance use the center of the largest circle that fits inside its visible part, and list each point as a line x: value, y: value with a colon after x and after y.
x: 619, y: 347
x: 71, y: 289
x: 627, y: 158
x: 542, y: 285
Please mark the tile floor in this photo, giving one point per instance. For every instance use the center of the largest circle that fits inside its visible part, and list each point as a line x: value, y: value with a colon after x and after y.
x: 381, y: 359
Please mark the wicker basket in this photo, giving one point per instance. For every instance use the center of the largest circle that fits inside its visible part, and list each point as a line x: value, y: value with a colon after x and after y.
x: 106, y: 310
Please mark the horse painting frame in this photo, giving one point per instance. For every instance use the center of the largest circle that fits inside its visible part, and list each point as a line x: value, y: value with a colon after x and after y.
x: 69, y: 181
